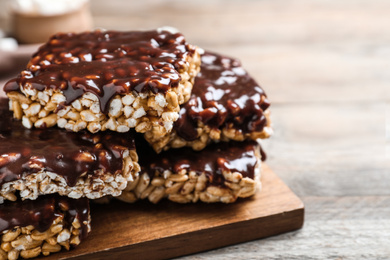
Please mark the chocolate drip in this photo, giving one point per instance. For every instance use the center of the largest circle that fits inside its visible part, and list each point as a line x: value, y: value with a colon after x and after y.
x: 42, y: 212
x: 68, y: 154
x: 223, y: 94
x: 106, y: 63
x: 215, y: 158
x: 263, y: 154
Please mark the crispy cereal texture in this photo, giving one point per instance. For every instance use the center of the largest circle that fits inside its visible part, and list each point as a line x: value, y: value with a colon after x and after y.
x: 188, y: 186
x: 93, y: 187
x: 146, y: 110
x: 28, y: 242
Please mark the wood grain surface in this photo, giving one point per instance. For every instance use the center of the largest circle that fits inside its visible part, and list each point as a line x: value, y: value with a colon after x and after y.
x: 325, y: 67
x: 146, y: 231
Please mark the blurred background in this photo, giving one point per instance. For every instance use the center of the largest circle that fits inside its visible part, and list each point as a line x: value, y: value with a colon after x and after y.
x: 325, y: 66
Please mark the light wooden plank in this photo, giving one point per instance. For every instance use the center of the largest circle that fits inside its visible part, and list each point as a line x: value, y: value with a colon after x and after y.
x: 332, y: 148
x: 335, y: 228
x: 236, y: 22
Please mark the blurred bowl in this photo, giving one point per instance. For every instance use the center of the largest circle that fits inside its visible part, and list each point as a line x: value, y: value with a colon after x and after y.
x: 37, y: 28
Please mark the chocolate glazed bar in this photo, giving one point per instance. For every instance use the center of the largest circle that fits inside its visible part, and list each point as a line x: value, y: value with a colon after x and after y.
x: 34, y: 162
x: 43, y: 226
x: 103, y: 80
x: 226, y: 104
x: 222, y: 172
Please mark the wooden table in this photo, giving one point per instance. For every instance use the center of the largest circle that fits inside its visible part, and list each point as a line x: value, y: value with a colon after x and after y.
x: 326, y: 68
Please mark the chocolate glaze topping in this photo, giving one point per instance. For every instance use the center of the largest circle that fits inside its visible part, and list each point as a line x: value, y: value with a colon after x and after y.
x: 26, y: 151
x: 232, y: 156
x: 42, y: 212
x: 106, y: 63
x: 223, y: 94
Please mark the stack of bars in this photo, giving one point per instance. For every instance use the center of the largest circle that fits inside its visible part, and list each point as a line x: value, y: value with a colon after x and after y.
x: 126, y: 115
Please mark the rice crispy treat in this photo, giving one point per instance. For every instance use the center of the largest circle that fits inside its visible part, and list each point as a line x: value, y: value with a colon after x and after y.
x: 42, y: 226
x: 222, y: 172
x: 226, y: 104
x: 44, y: 161
x: 103, y: 80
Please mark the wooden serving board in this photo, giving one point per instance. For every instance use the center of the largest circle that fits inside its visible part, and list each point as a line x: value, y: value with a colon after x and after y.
x: 166, y: 230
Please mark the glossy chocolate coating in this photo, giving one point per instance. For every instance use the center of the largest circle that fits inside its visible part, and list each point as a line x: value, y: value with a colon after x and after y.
x: 223, y: 93
x: 107, y: 63
x: 42, y: 212
x: 215, y: 158
x: 26, y: 151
